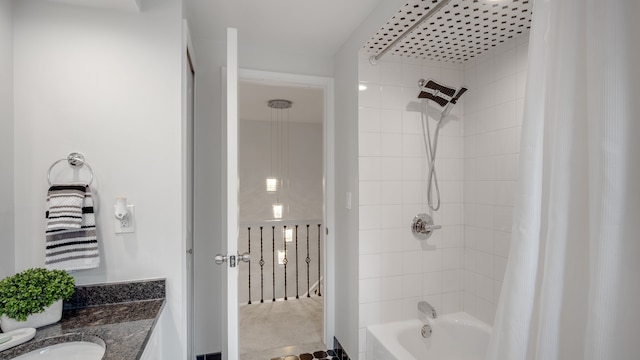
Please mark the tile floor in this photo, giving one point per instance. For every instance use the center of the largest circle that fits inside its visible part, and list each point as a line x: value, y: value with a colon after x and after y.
x: 324, y: 355
x: 283, y: 330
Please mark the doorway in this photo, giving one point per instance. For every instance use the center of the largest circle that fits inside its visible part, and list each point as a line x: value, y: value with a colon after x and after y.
x: 281, y: 291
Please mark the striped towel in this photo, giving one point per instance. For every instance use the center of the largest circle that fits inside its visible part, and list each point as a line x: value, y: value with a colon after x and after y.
x: 71, y: 248
x: 65, y: 206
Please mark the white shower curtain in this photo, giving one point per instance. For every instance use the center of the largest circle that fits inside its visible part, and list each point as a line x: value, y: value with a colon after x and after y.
x: 572, y: 286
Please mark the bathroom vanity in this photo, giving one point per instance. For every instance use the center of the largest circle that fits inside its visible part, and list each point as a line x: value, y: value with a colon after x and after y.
x: 122, y: 315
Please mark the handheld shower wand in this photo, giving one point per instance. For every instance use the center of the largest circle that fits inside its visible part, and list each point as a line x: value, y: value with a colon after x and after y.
x: 446, y: 97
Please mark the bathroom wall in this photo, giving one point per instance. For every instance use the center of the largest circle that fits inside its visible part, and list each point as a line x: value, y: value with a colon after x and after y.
x: 6, y: 140
x: 346, y: 177
x: 346, y: 197
x: 208, y: 214
x: 492, y: 121
x: 396, y: 269
x: 106, y: 84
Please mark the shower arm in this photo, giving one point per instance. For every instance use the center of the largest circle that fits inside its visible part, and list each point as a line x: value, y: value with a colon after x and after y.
x: 373, y: 60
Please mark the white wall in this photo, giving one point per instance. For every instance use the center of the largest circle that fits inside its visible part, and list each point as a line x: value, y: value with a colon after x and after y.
x: 303, y: 195
x: 396, y: 269
x: 493, y: 110
x: 6, y: 140
x: 106, y: 84
x: 260, y: 57
x: 208, y: 292
x: 210, y: 289
x: 346, y: 176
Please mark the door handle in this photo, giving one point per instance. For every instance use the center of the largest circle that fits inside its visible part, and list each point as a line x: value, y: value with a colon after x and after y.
x: 220, y: 259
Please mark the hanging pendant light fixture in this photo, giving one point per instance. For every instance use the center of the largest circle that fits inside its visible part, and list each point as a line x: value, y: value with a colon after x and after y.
x: 275, y: 181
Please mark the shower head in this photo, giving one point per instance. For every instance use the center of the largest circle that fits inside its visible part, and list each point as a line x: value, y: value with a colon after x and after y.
x: 430, y: 89
x: 444, y: 96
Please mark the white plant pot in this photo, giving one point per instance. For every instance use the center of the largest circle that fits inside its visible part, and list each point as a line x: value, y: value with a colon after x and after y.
x: 50, y: 315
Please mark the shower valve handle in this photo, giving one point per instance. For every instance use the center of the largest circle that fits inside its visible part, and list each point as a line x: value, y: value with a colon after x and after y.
x: 422, y: 226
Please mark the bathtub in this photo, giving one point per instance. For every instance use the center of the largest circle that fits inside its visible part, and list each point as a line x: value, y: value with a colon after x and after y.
x: 457, y: 336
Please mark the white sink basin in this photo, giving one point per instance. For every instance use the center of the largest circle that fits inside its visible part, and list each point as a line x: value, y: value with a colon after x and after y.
x: 74, y: 350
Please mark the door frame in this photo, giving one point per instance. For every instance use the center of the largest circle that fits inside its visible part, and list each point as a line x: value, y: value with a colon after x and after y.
x: 326, y: 84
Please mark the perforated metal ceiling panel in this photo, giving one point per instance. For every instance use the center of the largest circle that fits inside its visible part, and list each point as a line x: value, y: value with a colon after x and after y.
x: 461, y: 30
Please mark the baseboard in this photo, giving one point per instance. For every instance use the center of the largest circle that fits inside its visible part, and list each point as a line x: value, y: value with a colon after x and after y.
x: 340, y: 352
x: 212, y: 356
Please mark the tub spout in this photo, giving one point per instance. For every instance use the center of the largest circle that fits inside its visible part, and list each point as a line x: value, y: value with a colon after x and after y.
x: 426, y: 308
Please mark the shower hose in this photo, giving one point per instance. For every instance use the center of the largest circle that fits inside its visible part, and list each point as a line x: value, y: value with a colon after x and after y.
x: 431, y: 148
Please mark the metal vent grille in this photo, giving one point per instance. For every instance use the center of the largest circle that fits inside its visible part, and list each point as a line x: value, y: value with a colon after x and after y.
x: 461, y: 30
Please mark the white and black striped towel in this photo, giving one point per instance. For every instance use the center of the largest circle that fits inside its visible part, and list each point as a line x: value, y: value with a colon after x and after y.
x: 71, y: 247
x: 64, y: 203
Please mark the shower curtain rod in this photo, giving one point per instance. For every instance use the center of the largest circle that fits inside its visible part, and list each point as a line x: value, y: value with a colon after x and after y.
x: 374, y: 58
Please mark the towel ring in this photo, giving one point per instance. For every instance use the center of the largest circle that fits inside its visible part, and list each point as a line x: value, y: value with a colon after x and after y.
x: 75, y: 160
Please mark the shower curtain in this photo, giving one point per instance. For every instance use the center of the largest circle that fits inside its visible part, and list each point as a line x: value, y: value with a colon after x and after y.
x: 572, y: 285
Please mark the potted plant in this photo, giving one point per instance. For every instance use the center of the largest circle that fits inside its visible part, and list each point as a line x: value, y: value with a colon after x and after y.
x: 33, y: 298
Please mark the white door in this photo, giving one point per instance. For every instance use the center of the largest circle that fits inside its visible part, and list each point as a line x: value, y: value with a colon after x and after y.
x: 190, y: 78
x: 188, y: 114
x: 231, y: 226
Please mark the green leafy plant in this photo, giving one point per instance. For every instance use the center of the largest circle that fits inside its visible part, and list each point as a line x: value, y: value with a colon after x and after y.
x: 32, y: 290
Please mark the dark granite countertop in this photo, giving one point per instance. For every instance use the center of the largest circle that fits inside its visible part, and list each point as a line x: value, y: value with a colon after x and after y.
x: 120, y: 315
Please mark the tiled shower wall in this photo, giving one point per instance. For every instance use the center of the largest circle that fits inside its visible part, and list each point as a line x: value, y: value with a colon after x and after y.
x: 461, y: 267
x: 492, y: 121
x: 397, y: 270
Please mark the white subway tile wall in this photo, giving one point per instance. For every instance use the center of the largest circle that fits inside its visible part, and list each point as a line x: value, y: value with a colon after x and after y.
x: 492, y: 124
x: 461, y: 267
x: 396, y: 269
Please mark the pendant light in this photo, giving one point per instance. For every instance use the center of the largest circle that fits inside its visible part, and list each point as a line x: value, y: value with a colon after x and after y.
x: 275, y: 181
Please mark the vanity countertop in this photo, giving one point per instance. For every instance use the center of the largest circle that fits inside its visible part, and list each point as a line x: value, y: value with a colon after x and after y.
x: 122, y: 315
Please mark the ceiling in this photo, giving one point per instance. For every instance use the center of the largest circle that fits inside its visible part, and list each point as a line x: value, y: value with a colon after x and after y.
x: 301, y: 26
x: 461, y: 30
x: 121, y: 5
x: 307, y: 103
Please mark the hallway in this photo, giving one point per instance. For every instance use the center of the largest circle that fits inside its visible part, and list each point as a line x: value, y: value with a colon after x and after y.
x: 281, y: 328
